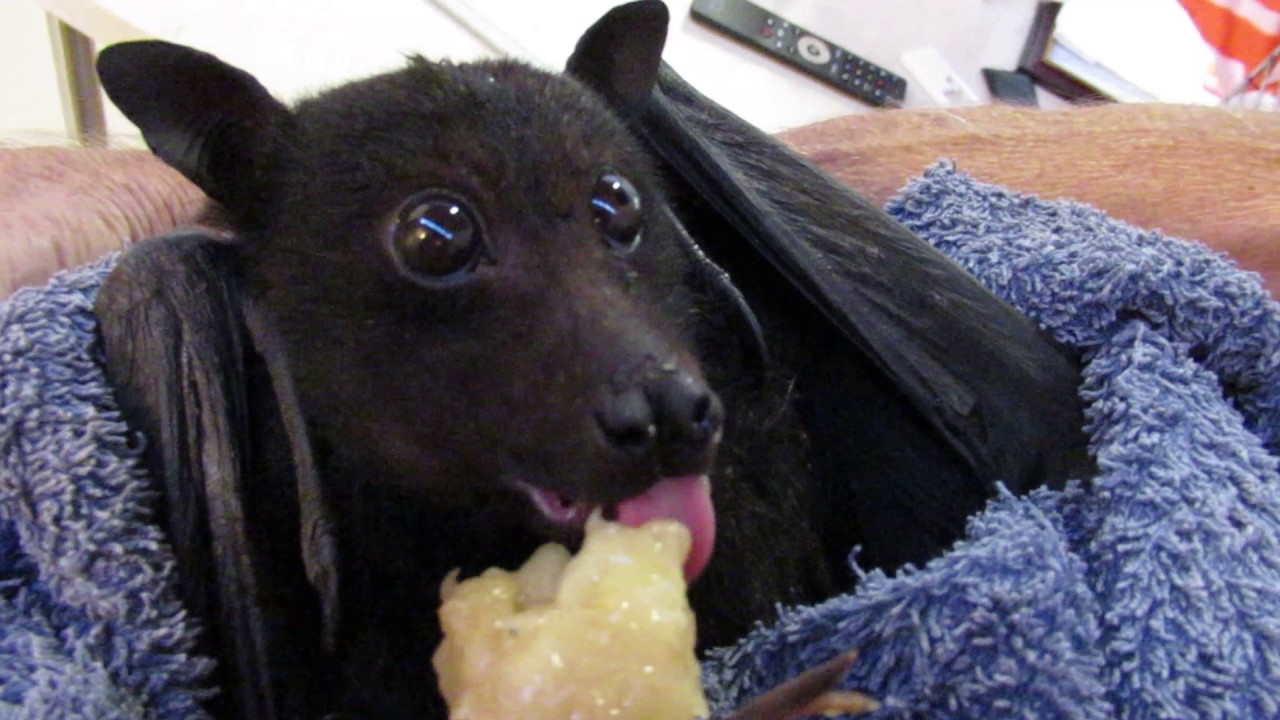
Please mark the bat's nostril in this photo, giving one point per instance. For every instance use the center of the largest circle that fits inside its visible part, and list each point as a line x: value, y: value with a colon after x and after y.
x: 707, y: 419
x: 688, y: 412
x: 627, y: 422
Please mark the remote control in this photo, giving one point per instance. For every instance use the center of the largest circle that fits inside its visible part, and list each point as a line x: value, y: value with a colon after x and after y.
x: 760, y: 29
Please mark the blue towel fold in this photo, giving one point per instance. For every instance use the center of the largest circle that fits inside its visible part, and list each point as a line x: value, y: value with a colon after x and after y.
x: 1149, y: 591
x: 90, y: 624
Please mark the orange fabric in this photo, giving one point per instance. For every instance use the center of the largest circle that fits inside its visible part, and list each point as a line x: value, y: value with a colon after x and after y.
x: 1232, y: 35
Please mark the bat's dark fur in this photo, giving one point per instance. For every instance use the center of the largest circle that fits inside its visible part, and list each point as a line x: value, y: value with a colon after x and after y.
x: 428, y: 402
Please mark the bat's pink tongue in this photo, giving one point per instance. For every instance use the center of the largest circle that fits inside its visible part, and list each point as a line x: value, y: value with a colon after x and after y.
x: 687, y: 499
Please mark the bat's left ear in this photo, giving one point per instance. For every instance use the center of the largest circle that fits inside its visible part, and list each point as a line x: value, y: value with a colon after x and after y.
x: 620, y: 55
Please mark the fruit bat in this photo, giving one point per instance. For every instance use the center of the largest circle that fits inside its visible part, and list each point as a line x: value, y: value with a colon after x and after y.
x: 438, y: 316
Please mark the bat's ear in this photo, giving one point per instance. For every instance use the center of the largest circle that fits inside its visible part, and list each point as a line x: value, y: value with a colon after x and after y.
x: 620, y: 55
x: 212, y: 122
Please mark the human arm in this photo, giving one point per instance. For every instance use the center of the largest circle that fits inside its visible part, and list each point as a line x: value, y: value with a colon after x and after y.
x: 65, y: 206
x: 1208, y: 174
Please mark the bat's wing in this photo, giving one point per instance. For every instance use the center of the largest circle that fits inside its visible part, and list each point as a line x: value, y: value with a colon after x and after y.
x: 983, y: 379
x: 197, y: 368
x: 185, y: 364
x: 1002, y: 394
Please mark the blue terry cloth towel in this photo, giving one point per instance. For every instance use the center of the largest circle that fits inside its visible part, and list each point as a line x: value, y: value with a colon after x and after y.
x: 1149, y: 591
x: 90, y: 623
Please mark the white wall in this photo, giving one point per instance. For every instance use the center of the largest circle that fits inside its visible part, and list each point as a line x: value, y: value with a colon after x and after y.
x: 30, y: 104
x: 31, y: 110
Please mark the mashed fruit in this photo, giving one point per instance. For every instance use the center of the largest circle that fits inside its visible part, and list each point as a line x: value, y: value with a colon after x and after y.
x: 606, y: 634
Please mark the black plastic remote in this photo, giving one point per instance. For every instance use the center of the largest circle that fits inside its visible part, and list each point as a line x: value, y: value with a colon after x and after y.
x: 801, y: 49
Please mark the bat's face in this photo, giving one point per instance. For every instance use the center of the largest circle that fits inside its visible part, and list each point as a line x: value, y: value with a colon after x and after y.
x: 481, y: 296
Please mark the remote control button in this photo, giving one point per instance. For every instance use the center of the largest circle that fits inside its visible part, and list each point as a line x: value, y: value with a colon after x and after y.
x: 814, y: 50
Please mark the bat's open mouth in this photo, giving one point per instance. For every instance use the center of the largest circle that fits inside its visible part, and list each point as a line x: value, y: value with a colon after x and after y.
x: 686, y: 499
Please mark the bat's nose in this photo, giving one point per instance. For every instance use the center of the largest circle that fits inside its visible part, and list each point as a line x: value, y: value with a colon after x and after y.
x: 668, y: 417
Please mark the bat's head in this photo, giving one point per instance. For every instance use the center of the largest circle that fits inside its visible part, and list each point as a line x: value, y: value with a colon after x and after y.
x: 480, y: 292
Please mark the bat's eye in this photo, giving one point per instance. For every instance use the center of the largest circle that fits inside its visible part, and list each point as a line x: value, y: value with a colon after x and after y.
x: 437, y: 237
x: 615, y: 207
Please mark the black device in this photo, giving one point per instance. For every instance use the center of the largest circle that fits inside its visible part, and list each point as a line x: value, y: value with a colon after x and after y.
x: 803, y: 50
x: 1011, y: 87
